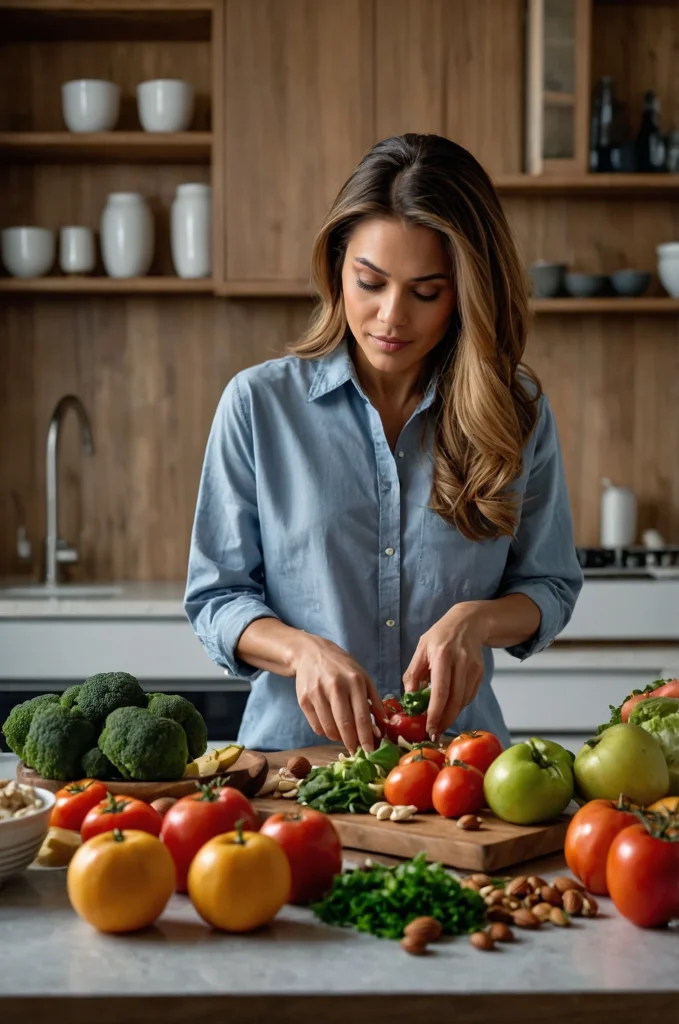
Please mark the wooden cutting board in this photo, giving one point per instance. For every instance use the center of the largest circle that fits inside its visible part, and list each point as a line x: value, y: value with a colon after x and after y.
x: 495, y: 846
x: 246, y: 774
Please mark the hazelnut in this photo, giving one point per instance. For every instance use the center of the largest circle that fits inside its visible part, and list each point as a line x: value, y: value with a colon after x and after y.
x: 470, y: 822
x: 299, y: 767
x: 412, y: 946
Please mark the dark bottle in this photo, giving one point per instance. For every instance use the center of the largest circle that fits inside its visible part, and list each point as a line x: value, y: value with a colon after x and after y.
x: 650, y: 144
x: 602, y: 127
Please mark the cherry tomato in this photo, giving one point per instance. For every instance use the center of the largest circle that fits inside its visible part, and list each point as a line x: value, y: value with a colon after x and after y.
x: 478, y: 748
x: 429, y: 753
x: 123, y: 812
x: 642, y: 874
x: 392, y: 706
x: 313, y: 848
x: 194, y: 819
x: 458, y: 790
x: 590, y: 833
x: 412, y: 728
x: 411, y: 784
x: 74, y: 801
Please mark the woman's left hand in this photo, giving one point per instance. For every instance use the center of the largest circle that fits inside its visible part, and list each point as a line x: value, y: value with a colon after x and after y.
x: 450, y: 655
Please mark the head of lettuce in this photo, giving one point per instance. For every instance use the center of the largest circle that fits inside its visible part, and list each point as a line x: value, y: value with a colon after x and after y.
x: 659, y: 716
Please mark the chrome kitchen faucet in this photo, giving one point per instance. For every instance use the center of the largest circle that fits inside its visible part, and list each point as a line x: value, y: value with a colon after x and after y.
x: 56, y: 550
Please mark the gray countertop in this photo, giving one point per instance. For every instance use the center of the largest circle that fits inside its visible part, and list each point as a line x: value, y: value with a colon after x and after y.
x: 304, y: 969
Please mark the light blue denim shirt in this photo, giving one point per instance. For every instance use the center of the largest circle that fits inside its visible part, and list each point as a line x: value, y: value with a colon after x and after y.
x: 305, y: 514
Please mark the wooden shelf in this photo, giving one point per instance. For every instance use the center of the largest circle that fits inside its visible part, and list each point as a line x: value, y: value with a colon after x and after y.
x: 106, y: 20
x: 660, y: 305
x: 607, y: 185
x: 105, y: 147
x: 266, y: 289
x: 107, y: 285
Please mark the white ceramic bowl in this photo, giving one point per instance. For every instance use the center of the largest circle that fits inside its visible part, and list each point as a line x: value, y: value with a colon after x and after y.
x: 668, y: 267
x: 21, y: 838
x: 90, y: 105
x: 28, y: 252
x: 165, y: 105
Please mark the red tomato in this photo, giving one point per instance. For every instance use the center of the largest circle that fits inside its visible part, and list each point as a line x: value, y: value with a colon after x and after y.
x: 411, y: 784
x: 412, y: 728
x: 123, y: 812
x: 429, y: 754
x: 642, y: 873
x: 478, y: 748
x: 392, y: 705
x: 630, y: 704
x: 200, y: 816
x: 313, y: 848
x: 74, y: 801
x: 458, y: 790
x: 670, y: 689
x: 590, y: 833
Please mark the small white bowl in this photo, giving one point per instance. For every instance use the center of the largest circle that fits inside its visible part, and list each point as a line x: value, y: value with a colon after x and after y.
x: 165, y: 105
x: 28, y: 252
x: 90, y: 105
x: 668, y: 272
x: 668, y: 250
x: 21, y: 838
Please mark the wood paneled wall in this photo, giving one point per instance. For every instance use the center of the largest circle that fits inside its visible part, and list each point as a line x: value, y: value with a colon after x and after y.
x: 150, y: 369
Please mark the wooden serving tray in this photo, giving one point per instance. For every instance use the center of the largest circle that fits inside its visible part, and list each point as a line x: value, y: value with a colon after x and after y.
x: 247, y: 774
x: 495, y: 846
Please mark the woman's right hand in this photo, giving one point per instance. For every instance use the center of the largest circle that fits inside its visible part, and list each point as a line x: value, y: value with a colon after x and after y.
x: 336, y: 694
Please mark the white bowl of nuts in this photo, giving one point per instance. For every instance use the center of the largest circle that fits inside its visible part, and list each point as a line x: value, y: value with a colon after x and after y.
x: 24, y: 821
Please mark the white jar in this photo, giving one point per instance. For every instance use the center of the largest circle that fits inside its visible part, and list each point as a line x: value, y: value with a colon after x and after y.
x: 76, y: 250
x: 127, y: 235
x: 618, y: 525
x: 191, y: 230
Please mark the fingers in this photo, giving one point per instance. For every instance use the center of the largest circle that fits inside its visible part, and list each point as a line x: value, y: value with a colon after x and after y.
x: 417, y: 670
x: 326, y: 716
x: 441, y: 671
x: 363, y: 724
x: 343, y: 714
x: 376, y: 705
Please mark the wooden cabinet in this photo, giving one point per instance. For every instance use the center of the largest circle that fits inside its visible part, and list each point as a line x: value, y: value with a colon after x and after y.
x: 298, y: 109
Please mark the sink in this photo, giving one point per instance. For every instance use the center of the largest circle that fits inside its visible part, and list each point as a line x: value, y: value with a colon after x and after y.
x: 64, y: 591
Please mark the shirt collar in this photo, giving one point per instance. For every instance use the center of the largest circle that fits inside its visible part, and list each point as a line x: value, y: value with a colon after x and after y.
x: 337, y: 368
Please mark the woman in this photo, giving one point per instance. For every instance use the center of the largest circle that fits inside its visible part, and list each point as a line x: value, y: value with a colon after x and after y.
x: 388, y: 503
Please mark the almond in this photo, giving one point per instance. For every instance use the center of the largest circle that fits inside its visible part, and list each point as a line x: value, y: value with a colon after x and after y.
x: 573, y: 902
x: 299, y: 767
x: 497, y: 896
x: 481, y: 880
x: 423, y: 929
x: 550, y: 895
x: 517, y: 887
x: 412, y: 946
x: 532, y: 899
x: 564, y: 884
x: 498, y: 913
x: 542, y: 911
x: 482, y: 940
x: 486, y: 890
x: 558, y: 917
x: 469, y: 883
x: 535, y: 882
x: 499, y: 932
x: 470, y: 822
x: 590, y: 907
x: 525, y: 919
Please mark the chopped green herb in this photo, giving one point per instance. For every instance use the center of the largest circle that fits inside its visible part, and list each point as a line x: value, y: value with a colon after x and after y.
x: 383, y: 900
x: 346, y: 785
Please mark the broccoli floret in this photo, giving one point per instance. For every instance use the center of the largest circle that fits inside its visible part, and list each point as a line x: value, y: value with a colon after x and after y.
x: 68, y: 696
x: 56, y: 741
x: 103, y: 693
x: 96, y: 765
x: 18, y: 722
x: 171, y: 705
x: 143, y: 747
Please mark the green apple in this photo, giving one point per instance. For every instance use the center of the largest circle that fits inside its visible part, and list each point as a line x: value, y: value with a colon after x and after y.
x: 530, y: 782
x: 624, y: 759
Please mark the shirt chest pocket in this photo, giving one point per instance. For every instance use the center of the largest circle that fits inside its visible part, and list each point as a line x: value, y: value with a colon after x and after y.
x: 449, y: 563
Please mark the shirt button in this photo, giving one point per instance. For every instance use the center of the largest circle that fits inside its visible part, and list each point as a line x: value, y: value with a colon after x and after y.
x: 388, y: 551
x: 401, y: 454
x: 390, y: 623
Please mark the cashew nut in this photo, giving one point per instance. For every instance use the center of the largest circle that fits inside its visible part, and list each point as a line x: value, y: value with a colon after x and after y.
x: 378, y: 806
x: 402, y: 813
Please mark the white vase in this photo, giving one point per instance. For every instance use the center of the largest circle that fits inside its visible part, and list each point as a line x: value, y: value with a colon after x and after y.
x: 127, y: 235
x: 191, y: 230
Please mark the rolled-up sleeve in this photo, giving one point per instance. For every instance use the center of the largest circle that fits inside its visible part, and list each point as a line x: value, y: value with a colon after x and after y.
x: 225, y: 584
x: 542, y: 562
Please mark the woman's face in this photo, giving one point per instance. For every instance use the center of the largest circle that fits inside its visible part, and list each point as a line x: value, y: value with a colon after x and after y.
x: 398, y: 292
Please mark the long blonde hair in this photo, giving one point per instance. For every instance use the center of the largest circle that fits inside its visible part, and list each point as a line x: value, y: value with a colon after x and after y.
x: 485, y: 409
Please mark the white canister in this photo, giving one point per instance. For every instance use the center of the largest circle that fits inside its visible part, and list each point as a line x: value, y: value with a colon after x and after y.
x: 127, y: 235
x: 76, y: 250
x: 191, y: 230
x: 618, y: 524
